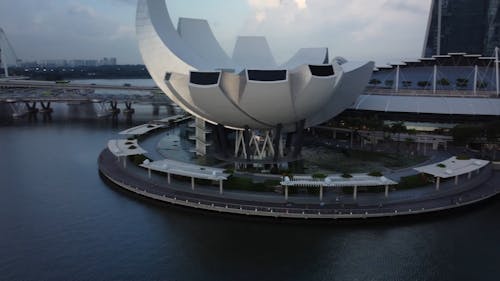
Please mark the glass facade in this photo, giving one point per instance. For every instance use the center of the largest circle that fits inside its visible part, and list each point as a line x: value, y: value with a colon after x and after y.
x: 469, y: 26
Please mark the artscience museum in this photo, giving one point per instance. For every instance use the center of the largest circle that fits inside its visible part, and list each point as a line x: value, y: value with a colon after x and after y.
x: 266, y: 104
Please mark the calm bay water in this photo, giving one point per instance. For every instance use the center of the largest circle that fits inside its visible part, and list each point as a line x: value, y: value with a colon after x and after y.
x: 60, y: 221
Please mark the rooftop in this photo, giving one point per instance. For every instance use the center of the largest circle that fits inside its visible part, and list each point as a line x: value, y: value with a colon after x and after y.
x: 453, y: 167
x: 125, y: 147
x: 141, y: 130
x: 186, y: 169
x: 359, y: 180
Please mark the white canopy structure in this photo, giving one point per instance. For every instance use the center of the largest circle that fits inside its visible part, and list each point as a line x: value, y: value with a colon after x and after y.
x: 123, y: 148
x: 358, y: 180
x: 141, y: 129
x: 453, y: 168
x: 172, y: 167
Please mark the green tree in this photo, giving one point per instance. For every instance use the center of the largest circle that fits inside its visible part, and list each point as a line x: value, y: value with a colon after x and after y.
x: 423, y: 84
x: 398, y: 128
x: 443, y: 82
x: 465, y: 134
x: 462, y: 83
x: 375, y: 82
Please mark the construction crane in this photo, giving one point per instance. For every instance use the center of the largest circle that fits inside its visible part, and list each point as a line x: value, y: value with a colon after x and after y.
x: 7, y: 53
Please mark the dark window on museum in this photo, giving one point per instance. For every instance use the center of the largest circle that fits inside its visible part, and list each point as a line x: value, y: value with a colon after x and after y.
x: 267, y: 75
x: 168, y: 75
x: 204, y: 78
x: 322, y: 70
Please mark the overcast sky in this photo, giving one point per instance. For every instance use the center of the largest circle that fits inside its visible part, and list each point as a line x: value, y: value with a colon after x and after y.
x: 380, y: 30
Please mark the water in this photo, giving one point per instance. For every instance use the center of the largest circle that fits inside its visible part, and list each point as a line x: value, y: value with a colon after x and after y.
x: 60, y: 221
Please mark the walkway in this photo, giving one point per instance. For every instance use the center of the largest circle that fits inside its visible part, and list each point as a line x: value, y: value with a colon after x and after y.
x: 334, y: 206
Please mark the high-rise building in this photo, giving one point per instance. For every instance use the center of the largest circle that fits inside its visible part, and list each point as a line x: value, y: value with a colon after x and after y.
x: 469, y: 26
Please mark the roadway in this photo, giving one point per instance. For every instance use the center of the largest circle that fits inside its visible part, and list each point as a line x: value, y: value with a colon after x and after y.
x: 70, y: 86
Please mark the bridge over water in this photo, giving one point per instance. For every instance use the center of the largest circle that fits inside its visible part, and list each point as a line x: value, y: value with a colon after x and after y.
x: 29, y: 84
x: 24, y: 96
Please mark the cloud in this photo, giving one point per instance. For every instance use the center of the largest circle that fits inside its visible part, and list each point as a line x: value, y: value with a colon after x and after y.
x: 358, y: 29
x: 301, y: 4
x: 54, y: 29
x: 264, y: 4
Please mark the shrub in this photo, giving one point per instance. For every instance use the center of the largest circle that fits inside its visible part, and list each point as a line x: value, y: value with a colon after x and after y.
x: 375, y: 82
x: 319, y: 176
x: 229, y: 171
x: 441, y: 165
x: 138, y: 159
x: 413, y: 181
x: 443, y: 82
x: 376, y: 174
x: 346, y: 175
x: 462, y: 82
x: 423, y: 84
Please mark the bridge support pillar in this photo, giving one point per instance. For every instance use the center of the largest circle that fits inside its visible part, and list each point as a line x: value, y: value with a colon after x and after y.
x: 46, y: 107
x: 128, y: 108
x: 114, y: 107
x: 31, y: 107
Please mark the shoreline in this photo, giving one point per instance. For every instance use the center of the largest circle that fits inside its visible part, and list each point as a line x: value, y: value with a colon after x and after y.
x: 111, y: 170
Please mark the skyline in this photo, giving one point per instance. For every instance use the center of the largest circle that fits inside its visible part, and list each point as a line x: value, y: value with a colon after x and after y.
x: 381, y: 30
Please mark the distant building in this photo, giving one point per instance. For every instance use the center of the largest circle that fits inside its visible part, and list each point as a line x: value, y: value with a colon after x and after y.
x: 77, y: 63
x: 108, y: 61
x: 91, y: 63
x: 53, y: 63
x: 469, y: 26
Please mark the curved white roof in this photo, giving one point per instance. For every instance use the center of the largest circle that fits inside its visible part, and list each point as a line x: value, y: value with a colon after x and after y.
x: 253, y: 52
x: 198, y: 35
x: 428, y: 104
x: 189, y: 65
x: 222, y: 109
x: 311, y: 92
x: 353, y: 80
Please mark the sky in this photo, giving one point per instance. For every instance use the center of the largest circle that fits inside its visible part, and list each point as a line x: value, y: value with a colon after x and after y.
x: 380, y: 30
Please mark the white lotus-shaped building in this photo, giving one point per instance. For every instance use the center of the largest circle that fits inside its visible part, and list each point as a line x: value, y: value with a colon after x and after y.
x: 249, y: 90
